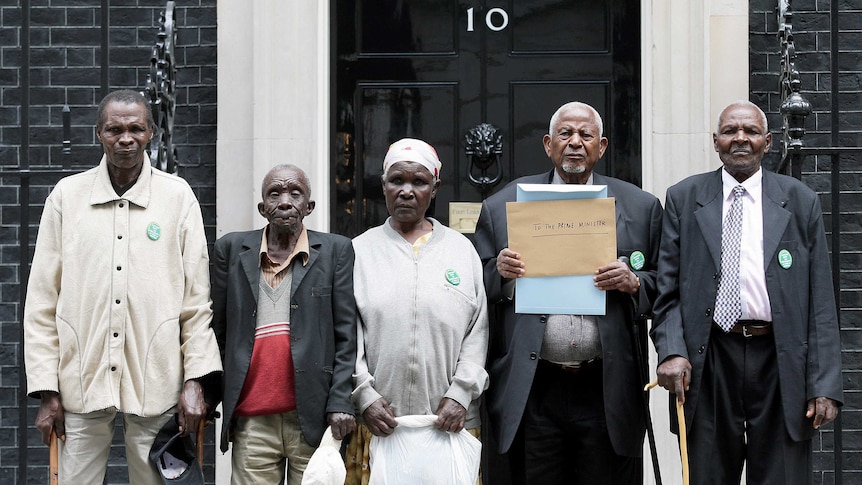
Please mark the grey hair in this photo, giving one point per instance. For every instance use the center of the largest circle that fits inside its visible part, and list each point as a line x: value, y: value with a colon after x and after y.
x: 285, y: 166
x: 575, y: 104
x: 749, y: 104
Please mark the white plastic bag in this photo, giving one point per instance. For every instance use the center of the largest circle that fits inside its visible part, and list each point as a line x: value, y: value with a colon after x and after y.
x: 418, y: 453
x: 326, y: 466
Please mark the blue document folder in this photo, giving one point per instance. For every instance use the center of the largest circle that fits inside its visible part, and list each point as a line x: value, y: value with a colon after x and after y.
x: 564, y: 295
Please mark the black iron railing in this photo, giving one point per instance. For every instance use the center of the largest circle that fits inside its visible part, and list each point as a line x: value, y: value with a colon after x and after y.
x: 161, y: 92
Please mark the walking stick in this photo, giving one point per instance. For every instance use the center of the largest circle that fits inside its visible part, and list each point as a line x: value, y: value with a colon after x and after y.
x: 642, y: 368
x: 683, y: 441
x: 53, y: 460
x: 683, y: 438
x: 200, y: 443
x: 644, y: 373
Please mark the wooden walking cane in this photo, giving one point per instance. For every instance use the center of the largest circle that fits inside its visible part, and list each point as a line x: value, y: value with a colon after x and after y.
x: 200, y: 443
x: 683, y: 441
x: 683, y: 438
x: 53, y: 460
x: 200, y: 436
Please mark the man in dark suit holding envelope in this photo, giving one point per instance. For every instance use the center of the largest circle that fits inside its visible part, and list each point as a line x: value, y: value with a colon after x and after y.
x: 566, y: 390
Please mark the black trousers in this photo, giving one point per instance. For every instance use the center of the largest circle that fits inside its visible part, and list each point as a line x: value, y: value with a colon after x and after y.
x: 739, y: 418
x: 565, y: 433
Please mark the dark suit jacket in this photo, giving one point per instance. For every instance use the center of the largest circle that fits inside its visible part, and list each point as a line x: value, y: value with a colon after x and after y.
x: 516, y: 339
x: 322, y: 324
x: 801, y: 296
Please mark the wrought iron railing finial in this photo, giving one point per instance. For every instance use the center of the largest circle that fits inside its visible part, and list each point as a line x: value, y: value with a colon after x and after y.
x: 794, y: 107
x: 161, y: 93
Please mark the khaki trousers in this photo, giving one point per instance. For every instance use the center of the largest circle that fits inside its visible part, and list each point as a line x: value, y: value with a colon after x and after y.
x: 262, y: 444
x: 84, y: 455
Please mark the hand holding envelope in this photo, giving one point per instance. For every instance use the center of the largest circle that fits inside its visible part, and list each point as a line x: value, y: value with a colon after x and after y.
x: 563, y: 234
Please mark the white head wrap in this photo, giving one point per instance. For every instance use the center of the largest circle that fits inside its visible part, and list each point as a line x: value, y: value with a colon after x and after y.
x: 413, y: 150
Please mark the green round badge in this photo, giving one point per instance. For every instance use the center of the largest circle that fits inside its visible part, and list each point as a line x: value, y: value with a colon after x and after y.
x: 785, y: 259
x: 154, y: 231
x: 452, y: 277
x: 637, y: 260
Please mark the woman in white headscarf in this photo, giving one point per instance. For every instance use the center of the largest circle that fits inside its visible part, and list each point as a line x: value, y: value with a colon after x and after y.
x: 423, y: 323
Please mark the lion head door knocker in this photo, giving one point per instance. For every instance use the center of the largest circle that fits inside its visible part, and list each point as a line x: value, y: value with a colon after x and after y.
x: 484, y: 145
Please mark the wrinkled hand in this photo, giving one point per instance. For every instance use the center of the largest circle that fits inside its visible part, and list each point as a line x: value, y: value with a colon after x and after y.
x: 379, y: 418
x: 342, y: 424
x: 451, y: 416
x: 674, y: 374
x: 50, y: 417
x: 823, y: 410
x: 509, y: 264
x: 616, y: 276
x: 192, y: 408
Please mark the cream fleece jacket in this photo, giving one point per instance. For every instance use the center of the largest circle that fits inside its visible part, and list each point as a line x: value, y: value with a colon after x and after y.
x: 118, y: 307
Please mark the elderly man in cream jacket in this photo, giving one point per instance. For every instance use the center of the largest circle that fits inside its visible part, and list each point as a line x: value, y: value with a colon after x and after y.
x: 117, y: 316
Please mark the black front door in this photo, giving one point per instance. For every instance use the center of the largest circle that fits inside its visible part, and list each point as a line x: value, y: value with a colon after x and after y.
x: 434, y: 69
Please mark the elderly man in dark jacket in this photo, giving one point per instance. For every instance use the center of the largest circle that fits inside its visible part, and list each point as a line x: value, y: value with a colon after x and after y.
x: 285, y: 319
x: 566, y: 391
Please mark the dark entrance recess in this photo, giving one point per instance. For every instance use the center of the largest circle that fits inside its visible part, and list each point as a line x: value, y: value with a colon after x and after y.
x: 435, y: 69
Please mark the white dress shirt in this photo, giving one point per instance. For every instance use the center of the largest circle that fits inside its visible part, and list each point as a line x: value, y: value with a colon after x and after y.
x: 752, y: 272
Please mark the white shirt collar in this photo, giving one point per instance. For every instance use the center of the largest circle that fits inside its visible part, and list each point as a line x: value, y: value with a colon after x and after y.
x: 753, y: 185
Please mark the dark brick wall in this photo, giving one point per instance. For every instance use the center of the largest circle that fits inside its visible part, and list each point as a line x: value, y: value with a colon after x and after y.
x: 65, y: 56
x: 811, y: 27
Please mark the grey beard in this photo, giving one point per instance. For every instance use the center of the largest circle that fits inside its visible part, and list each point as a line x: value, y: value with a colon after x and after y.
x: 574, y: 169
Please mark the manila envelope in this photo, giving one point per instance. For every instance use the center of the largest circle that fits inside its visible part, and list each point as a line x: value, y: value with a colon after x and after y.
x: 563, y: 237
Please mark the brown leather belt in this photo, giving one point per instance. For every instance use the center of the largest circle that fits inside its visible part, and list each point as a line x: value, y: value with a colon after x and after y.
x: 751, y: 328
x: 573, y: 369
